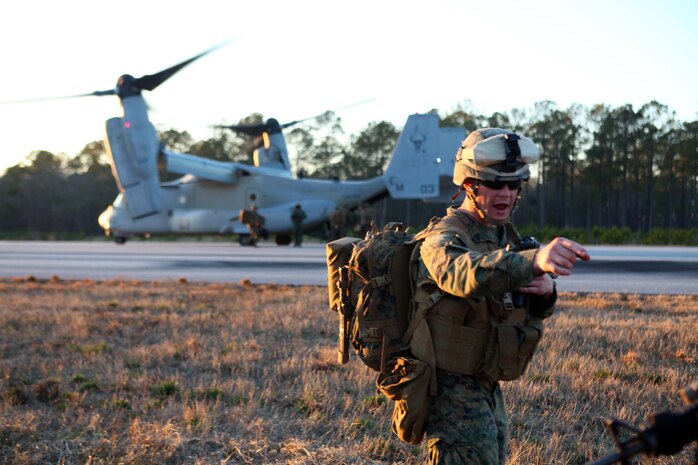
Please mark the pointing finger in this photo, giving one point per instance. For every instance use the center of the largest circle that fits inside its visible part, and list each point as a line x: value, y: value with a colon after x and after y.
x: 583, y: 254
x: 577, y: 249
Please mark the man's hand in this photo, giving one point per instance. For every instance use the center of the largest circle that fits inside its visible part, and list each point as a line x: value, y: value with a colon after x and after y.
x: 559, y: 257
x: 541, y: 285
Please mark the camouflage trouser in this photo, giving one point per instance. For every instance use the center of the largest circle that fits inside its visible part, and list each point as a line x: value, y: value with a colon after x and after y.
x: 467, y: 423
x: 254, y: 232
x: 297, y: 234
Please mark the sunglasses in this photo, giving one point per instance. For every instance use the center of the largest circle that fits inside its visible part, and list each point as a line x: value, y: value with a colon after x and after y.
x: 499, y: 185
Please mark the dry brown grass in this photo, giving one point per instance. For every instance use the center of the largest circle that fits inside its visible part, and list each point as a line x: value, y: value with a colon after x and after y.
x: 175, y: 372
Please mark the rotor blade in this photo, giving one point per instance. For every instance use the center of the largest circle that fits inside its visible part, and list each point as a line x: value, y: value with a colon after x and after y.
x: 96, y: 93
x: 355, y: 104
x: 259, y: 128
x: 247, y: 129
x: 147, y: 82
x: 151, y: 81
x: 292, y: 123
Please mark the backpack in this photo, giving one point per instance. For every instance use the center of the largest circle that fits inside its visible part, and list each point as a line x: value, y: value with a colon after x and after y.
x: 370, y: 289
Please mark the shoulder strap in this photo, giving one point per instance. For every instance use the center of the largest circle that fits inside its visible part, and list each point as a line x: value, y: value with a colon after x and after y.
x: 436, y: 224
x: 512, y: 234
x: 424, y: 233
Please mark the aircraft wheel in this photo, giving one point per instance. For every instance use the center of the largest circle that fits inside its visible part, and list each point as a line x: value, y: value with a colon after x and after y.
x: 121, y: 240
x: 283, y: 239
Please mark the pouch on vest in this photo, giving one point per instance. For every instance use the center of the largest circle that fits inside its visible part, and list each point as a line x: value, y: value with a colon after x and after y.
x: 511, y: 349
x: 407, y: 384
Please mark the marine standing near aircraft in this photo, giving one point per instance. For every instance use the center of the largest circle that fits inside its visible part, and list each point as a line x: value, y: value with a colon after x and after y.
x: 483, y: 298
x: 298, y: 216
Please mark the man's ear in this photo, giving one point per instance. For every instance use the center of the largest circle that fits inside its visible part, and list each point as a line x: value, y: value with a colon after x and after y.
x: 469, y: 185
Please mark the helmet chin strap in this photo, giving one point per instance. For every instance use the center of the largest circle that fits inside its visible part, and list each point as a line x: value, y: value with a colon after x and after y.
x: 471, y: 194
x: 516, y: 204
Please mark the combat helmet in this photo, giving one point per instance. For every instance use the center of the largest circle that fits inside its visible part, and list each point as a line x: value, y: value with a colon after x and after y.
x: 494, y: 154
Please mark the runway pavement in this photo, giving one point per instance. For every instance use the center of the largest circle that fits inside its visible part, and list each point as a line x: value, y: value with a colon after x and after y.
x: 655, y: 270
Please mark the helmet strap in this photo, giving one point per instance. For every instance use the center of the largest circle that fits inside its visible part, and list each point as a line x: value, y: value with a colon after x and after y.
x: 471, y: 194
x: 516, y: 204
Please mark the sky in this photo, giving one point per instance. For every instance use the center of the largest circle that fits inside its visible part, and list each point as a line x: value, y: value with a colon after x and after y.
x: 295, y: 59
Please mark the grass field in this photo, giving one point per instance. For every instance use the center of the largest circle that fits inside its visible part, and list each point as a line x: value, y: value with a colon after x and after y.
x: 181, y: 373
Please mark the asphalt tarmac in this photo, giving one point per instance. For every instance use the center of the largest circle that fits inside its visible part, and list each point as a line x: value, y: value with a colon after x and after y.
x: 627, y: 269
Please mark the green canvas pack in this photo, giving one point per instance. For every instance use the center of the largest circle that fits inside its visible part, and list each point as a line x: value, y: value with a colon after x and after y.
x: 407, y: 384
x: 370, y: 288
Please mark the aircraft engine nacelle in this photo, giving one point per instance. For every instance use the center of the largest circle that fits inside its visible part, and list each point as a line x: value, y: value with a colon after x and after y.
x: 278, y: 217
x: 273, y: 153
x: 133, y: 149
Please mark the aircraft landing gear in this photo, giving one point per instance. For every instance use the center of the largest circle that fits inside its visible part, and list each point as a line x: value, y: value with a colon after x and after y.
x: 121, y: 240
x: 283, y: 239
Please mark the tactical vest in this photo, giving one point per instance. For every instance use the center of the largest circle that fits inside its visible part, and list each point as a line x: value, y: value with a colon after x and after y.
x: 486, y: 337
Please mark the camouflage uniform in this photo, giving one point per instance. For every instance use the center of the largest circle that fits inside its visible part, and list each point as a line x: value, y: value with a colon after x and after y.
x: 297, y: 217
x: 467, y: 422
x: 254, y: 222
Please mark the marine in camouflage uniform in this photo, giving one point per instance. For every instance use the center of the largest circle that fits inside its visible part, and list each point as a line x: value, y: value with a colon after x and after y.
x: 254, y: 222
x: 297, y: 218
x: 483, y: 300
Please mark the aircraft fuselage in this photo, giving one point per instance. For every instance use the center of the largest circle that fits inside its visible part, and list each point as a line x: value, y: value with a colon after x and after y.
x: 197, y: 206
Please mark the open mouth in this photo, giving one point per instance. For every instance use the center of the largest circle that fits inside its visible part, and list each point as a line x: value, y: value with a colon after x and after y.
x: 502, y: 207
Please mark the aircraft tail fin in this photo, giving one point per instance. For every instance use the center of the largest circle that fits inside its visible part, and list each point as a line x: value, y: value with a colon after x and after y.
x: 423, y: 155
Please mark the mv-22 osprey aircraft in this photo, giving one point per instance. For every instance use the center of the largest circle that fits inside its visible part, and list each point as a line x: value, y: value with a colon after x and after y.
x: 207, y: 199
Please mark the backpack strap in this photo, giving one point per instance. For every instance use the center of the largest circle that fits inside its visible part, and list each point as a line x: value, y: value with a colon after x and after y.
x: 421, y: 334
x: 425, y: 301
x: 512, y: 234
x: 419, y: 295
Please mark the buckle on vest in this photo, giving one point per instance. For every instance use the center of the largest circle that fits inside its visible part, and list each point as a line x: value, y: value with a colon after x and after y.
x: 508, y: 301
x: 433, y: 298
x: 379, y: 281
x: 374, y: 333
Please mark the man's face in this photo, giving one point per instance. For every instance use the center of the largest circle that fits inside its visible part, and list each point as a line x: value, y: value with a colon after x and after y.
x: 497, y: 199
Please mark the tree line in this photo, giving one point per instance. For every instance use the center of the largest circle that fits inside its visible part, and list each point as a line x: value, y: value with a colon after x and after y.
x: 602, y: 167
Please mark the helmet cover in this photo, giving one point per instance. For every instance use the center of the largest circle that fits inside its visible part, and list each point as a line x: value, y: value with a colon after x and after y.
x: 494, y: 154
